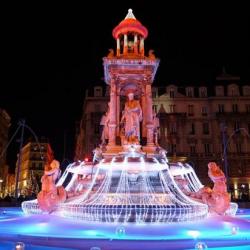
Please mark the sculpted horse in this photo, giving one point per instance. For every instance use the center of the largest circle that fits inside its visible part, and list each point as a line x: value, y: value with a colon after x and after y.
x: 217, y: 198
x: 51, y: 195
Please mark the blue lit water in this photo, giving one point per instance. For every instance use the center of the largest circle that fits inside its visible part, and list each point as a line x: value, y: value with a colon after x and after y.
x: 52, y: 232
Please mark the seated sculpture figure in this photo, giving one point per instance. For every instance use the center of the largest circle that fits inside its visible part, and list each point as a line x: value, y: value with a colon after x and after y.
x: 217, y: 198
x: 132, y: 116
x: 50, y: 195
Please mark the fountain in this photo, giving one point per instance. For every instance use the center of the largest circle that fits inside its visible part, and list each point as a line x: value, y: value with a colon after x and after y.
x: 131, y: 196
x: 128, y: 182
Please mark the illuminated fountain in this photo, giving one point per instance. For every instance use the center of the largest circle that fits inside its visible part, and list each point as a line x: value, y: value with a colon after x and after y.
x: 128, y: 185
x: 128, y: 182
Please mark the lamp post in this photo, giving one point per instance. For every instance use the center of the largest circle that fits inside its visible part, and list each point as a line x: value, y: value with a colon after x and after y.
x: 22, y: 122
x: 226, y: 140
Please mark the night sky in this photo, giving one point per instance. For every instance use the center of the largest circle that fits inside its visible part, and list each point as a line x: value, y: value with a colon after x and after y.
x: 52, y: 53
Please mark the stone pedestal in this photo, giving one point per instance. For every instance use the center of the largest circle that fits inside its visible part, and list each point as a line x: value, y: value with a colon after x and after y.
x: 150, y: 149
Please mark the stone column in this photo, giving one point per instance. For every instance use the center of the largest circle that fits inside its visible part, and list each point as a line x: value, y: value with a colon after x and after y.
x: 135, y: 44
x: 112, y: 113
x: 118, y: 111
x: 142, y: 46
x: 125, y: 46
x: 149, y: 116
x: 143, y: 106
x: 118, y: 48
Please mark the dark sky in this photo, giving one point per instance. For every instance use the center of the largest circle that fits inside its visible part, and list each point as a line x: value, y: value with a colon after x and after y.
x: 53, y: 52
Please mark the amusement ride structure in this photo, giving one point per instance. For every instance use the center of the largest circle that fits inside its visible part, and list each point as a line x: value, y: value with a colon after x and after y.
x: 128, y: 182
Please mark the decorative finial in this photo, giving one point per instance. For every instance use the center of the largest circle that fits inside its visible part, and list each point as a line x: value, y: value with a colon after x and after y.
x: 130, y: 14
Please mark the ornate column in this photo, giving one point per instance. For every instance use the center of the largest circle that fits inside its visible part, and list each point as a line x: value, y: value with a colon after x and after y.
x: 118, y: 48
x: 142, y: 46
x: 125, y: 46
x: 135, y: 44
x: 149, y: 116
x: 118, y: 110
x: 144, y: 108
x: 112, y: 113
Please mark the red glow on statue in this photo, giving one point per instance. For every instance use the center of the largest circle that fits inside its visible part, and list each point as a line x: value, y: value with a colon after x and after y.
x: 51, y: 195
x: 217, y: 198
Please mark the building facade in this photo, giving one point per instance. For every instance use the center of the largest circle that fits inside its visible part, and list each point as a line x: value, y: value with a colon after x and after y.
x: 4, y: 129
x: 193, y: 121
x: 34, y: 156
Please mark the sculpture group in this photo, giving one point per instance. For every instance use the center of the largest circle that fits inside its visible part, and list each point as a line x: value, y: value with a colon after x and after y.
x: 127, y: 162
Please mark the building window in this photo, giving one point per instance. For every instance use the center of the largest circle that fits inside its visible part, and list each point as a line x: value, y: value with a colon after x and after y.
x: 97, y: 128
x: 221, y: 108
x: 204, y: 111
x: 190, y: 92
x: 173, y: 128
x: 238, y: 148
x: 173, y: 148
x: 172, y: 108
x: 235, y: 108
x: 207, y: 148
x: 33, y: 165
x: 246, y: 90
x: 192, y: 149
x: 97, y: 108
x: 219, y: 91
x: 190, y: 110
x: 248, y: 108
x: 172, y: 93
x: 98, y: 91
x: 40, y: 165
x: 203, y: 92
x: 192, y: 131
x: 205, y: 128
x: 155, y: 108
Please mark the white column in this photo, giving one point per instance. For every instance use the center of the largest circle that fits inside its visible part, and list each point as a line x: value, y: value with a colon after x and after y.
x: 125, y: 46
x: 118, y: 47
x: 135, y: 44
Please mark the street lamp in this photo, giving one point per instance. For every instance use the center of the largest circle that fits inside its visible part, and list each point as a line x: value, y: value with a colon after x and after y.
x: 226, y: 142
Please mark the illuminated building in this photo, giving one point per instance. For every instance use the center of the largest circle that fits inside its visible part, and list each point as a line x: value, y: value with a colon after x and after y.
x: 190, y: 125
x: 34, y: 157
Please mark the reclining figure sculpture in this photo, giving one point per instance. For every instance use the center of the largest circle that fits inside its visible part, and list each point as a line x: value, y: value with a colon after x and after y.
x: 51, y: 195
x: 217, y: 198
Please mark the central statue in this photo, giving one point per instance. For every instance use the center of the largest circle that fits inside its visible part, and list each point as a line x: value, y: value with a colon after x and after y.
x: 131, y: 118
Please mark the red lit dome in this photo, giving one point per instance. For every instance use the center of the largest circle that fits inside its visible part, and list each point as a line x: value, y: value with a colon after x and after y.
x: 130, y: 24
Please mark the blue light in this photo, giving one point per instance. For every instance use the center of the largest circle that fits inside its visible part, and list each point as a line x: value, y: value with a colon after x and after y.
x: 193, y: 233
x: 120, y: 231
x: 200, y: 245
x: 214, y: 231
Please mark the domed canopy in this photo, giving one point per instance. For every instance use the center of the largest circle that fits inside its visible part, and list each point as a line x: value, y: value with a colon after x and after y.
x: 130, y: 24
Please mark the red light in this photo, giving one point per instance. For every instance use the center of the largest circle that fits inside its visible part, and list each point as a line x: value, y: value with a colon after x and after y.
x: 86, y: 159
